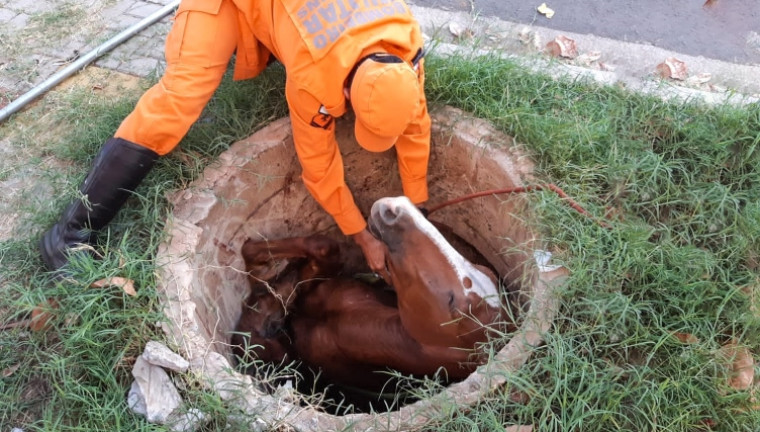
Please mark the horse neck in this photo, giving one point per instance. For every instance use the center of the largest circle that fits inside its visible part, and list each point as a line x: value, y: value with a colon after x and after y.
x: 425, y: 308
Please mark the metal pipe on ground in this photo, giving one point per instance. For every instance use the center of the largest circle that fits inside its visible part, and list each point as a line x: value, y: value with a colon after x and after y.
x: 86, y: 59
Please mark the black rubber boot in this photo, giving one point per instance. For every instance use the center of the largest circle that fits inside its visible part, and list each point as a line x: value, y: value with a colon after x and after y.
x: 117, y: 170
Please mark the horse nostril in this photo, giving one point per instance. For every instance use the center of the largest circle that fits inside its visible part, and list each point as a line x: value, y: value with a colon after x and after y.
x: 271, y: 328
x: 389, y: 214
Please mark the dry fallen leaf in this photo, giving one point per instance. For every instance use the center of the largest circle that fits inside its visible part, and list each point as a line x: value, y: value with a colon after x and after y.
x: 519, y: 428
x: 11, y: 370
x: 562, y: 46
x: 525, y: 35
x: 614, y: 213
x: 71, y: 319
x: 127, y: 285
x: 686, y: 338
x: 456, y: 29
x: 530, y: 38
x: 545, y: 10
x: 742, y: 368
x: 459, y: 31
x: 41, y: 315
x: 700, y: 78
x: 752, y: 291
x: 673, y: 68
x: 188, y: 157
x: 708, y: 423
x: 717, y: 89
x: 588, y: 58
x: 518, y: 396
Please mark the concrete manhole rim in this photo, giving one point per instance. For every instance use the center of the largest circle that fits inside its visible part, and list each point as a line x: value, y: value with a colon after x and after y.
x: 184, y: 329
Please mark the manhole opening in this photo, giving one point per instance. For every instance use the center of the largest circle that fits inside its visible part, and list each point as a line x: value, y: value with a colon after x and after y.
x: 254, y: 192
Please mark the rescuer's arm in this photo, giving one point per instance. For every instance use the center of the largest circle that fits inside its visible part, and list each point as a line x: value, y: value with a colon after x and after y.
x: 413, y: 150
x: 322, y: 165
x: 198, y: 50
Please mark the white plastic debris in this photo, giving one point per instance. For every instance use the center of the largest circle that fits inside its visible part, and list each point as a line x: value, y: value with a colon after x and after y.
x: 188, y: 421
x: 701, y: 78
x: 543, y: 258
x: 136, y: 400
x: 159, y: 354
x: 152, y: 394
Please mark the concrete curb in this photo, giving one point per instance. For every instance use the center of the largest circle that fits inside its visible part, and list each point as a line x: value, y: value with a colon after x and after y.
x: 621, y: 63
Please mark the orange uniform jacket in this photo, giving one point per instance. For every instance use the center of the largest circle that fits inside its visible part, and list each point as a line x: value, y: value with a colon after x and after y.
x: 318, y: 42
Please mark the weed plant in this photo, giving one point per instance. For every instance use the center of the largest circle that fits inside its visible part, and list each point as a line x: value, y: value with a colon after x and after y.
x: 681, y: 182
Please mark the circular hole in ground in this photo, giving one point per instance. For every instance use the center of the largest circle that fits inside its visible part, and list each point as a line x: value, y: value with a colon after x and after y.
x: 279, y: 349
x: 254, y: 192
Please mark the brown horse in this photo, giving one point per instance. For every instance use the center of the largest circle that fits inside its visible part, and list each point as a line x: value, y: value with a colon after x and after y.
x: 435, y: 315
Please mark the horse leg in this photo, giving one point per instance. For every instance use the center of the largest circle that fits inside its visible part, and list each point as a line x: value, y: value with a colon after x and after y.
x: 276, y: 268
x: 352, y: 350
x: 264, y: 260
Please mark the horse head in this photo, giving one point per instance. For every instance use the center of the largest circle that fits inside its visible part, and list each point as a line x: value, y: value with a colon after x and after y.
x: 444, y: 299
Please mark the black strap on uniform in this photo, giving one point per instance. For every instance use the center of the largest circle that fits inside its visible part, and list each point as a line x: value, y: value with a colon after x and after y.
x: 418, y: 57
x: 323, y: 119
x: 376, y: 57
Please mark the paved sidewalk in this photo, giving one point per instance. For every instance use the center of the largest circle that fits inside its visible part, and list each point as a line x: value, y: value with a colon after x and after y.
x: 39, y: 37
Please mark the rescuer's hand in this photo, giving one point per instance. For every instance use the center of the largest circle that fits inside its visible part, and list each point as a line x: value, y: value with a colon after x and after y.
x: 374, y: 252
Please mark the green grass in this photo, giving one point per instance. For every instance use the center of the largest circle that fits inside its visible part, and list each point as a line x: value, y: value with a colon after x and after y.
x: 686, y: 180
x: 682, y: 179
x: 63, y: 17
x: 76, y: 376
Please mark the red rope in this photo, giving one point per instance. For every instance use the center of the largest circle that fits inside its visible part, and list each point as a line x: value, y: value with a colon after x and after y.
x: 522, y: 189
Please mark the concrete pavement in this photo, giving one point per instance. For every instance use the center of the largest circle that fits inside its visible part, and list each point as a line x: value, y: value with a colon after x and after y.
x: 39, y: 37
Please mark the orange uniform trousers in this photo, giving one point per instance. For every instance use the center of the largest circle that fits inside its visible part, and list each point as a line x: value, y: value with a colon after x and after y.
x: 199, y: 47
x: 198, y: 50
